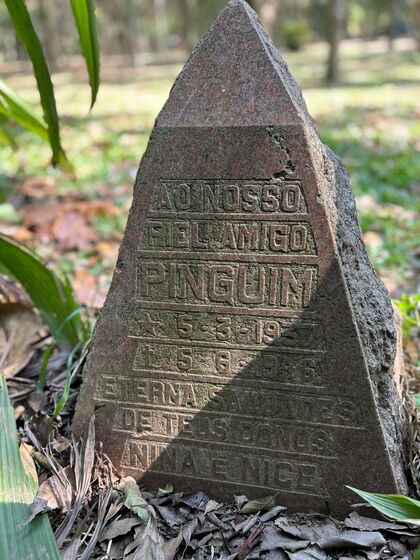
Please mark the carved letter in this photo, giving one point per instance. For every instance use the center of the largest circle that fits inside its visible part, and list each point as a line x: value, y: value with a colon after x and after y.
x: 183, y: 197
x: 244, y: 271
x: 186, y: 277
x: 138, y: 455
x: 196, y: 243
x: 248, y: 236
x: 218, y: 280
x: 291, y: 198
x: 231, y: 198
x: 301, y: 287
x: 278, y: 237
x: 270, y: 199
x: 152, y: 273
x: 164, y: 200
x: 210, y: 193
x: 229, y: 240
x: 180, y: 234
x: 250, y: 197
x: 298, y: 238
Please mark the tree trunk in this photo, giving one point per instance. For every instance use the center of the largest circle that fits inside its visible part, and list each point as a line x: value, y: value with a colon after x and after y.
x: 125, y: 16
x: 334, y: 20
x: 122, y: 28
x: 393, y: 23
x: 161, y: 24
x: 272, y: 14
x: 184, y: 12
x: 21, y: 53
x: 416, y: 16
x: 131, y: 32
x: 48, y: 31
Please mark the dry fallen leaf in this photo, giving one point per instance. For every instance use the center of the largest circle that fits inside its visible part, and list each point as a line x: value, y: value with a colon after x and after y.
x: 272, y: 513
x: 57, y: 491
x: 18, y: 326
x: 250, y: 542
x: 171, y: 516
x: 162, y: 492
x: 118, y: 528
x: 278, y: 555
x: 87, y: 289
x: 212, y: 505
x: 60, y: 444
x: 312, y: 552
x: 28, y: 462
x: 133, y: 498
x: 151, y: 546
x: 72, y: 231
x: 64, y: 221
x: 197, y: 501
x: 19, y: 410
x: 354, y: 539
x: 107, y: 251
x: 272, y: 538
x: 18, y: 232
x: 84, y: 458
x: 135, y: 542
x: 170, y: 548
x: 37, y: 187
x: 240, y: 500
x: 314, y: 529
x: 40, y: 219
x: 327, y: 534
x: 260, y: 504
x: 357, y: 521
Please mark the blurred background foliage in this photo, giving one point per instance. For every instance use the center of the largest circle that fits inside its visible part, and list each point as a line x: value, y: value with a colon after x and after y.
x: 356, y: 60
x: 132, y: 27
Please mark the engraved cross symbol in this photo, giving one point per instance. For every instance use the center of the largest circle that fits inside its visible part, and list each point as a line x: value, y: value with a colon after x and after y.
x: 148, y: 326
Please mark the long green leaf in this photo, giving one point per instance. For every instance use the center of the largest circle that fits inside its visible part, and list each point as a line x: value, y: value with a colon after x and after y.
x: 400, y: 508
x: 48, y: 293
x: 6, y: 134
x: 18, y: 539
x: 84, y: 16
x: 43, y: 369
x: 21, y: 112
x: 66, y: 390
x: 27, y: 35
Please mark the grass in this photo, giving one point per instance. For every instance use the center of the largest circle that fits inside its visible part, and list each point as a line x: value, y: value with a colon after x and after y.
x: 371, y: 120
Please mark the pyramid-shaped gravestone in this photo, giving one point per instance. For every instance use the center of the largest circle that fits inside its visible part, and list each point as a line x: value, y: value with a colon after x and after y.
x: 246, y: 345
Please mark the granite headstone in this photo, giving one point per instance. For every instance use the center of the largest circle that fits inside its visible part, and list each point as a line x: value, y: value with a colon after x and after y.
x: 246, y: 345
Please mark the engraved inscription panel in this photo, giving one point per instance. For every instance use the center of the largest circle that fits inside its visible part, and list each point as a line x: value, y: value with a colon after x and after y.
x: 226, y: 431
x: 289, y: 475
x: 231, y: 399
x: 228, y: 237
x: 233, y: 284
x: 230, y: 379
x: 228, y: 329
x: 227, y: 197
x: 291, y: 368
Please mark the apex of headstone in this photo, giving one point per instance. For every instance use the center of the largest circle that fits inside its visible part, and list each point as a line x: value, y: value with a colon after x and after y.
x: 235, y: 77
x: 238, y: 3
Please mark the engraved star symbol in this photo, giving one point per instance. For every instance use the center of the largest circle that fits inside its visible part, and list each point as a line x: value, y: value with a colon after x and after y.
x: 148, y: 326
